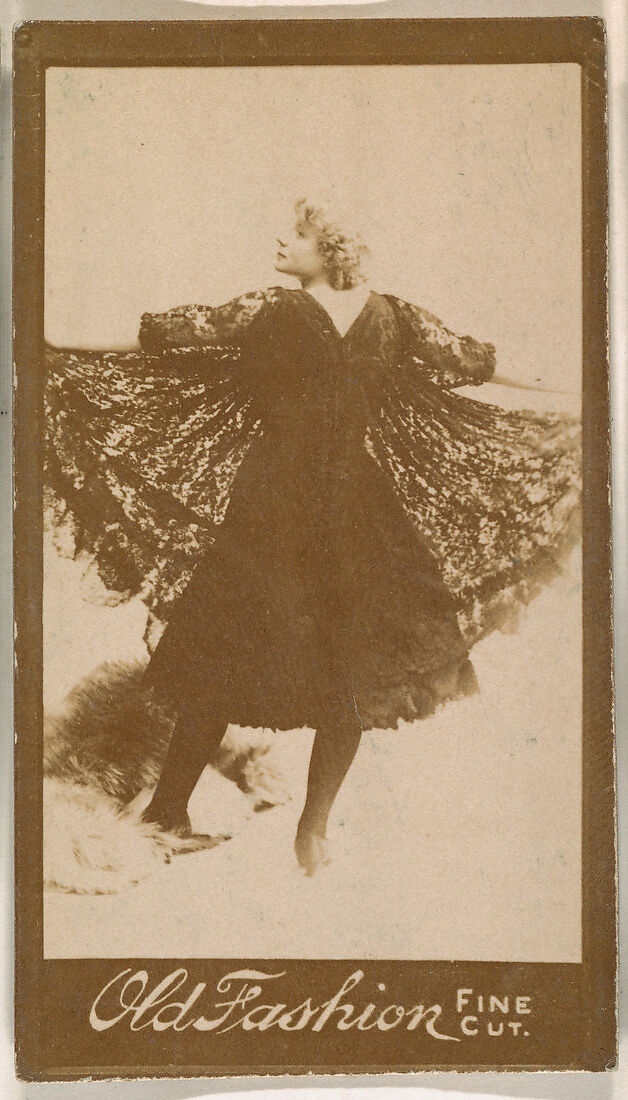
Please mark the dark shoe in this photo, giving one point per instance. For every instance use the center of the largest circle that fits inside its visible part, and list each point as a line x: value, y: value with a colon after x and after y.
x: 177, y: 824
x: 172, y: 821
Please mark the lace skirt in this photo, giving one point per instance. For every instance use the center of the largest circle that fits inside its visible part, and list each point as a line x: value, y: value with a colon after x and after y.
x: 313, y: 592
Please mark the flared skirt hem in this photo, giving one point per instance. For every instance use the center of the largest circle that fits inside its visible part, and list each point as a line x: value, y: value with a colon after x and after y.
x: 378, y: 709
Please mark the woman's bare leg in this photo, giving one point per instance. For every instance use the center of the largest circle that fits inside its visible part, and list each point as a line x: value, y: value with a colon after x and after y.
x: 194, y: 742
x: 335, y: 745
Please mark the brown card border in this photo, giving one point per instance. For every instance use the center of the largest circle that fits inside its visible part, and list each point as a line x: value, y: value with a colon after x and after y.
x: 575, y: 1024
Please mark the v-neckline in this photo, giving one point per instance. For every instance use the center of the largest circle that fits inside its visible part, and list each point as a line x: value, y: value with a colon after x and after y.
x: 341, y: 336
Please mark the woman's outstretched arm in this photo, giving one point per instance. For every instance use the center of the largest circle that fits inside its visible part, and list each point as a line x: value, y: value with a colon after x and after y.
x: 197, y: 326
x: 502, y: 380
x: 443, y: 356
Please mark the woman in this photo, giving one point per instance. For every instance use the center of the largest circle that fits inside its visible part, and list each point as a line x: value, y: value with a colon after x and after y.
x: 297, y: 456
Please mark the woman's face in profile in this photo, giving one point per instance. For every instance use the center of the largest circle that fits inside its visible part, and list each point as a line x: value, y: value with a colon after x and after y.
x: 298, y: 253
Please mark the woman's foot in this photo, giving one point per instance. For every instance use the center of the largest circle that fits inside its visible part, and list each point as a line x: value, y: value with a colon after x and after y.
x: 176, y: 823
x: 170, y: 820
x: 311, y: 850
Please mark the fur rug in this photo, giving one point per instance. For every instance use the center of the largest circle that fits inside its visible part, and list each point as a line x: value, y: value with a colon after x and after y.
x: 102, y: 759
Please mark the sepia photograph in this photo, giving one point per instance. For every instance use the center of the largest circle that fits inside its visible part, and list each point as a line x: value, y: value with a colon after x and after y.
x: 310, y: 545
x: 311, y: 565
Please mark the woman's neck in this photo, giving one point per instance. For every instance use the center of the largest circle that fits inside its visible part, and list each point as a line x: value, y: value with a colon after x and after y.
x: 313, y: 281
x: 343, y: 306
x: 320, y: 286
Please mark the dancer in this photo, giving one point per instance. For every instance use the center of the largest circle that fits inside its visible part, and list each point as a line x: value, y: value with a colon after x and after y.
x: 323, y: 526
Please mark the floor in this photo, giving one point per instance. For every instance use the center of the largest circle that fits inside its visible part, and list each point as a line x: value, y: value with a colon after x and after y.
x: 456, y: 837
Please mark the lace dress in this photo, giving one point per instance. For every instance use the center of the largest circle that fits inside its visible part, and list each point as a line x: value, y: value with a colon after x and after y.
x: 311, y: 515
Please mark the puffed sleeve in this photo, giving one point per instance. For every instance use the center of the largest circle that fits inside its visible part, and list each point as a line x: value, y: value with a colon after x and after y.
x: 197, y: 326
x: 445, y: 357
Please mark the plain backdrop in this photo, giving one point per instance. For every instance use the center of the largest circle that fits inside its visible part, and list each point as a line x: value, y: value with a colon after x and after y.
x: 166, y: 186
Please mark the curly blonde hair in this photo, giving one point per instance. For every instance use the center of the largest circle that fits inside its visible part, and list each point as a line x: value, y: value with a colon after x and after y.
x: 343, y: 247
